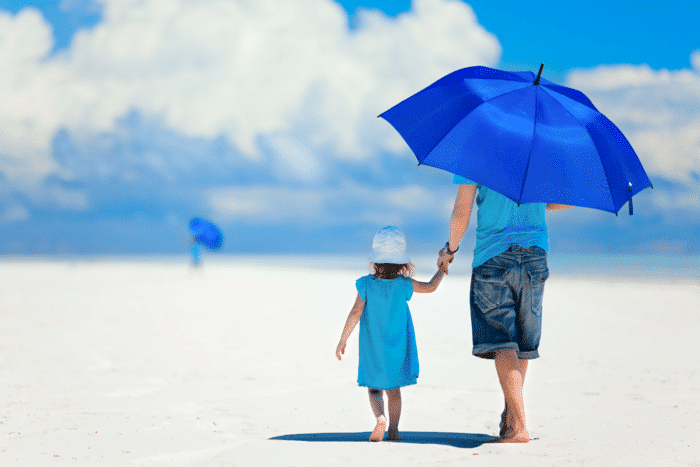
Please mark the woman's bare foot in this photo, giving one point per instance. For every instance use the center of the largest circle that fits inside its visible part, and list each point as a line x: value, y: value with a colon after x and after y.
x: 378, y: 433
x: 503, y: 425
x: 513, y: 437
x: 393, y: 434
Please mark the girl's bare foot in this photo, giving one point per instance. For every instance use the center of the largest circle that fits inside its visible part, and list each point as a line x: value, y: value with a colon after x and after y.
x: 378, y: 433
x: 393, y: 434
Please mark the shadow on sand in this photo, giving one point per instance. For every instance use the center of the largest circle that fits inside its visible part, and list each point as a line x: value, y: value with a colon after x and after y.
x: 458, y: 440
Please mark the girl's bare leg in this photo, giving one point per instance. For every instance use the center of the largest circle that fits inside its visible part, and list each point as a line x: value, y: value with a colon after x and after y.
x: 376, y: 400
x: 394, y: 402
x: 505, y: 415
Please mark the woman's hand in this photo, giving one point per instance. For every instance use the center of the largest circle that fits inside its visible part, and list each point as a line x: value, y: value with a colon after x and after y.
x: 340, y: 350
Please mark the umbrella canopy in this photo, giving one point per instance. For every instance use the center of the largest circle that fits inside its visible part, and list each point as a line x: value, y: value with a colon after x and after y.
x: 522, y: 136
x: 206, y: 233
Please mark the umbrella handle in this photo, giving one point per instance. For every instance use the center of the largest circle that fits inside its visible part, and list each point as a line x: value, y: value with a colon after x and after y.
x: 537, y: 81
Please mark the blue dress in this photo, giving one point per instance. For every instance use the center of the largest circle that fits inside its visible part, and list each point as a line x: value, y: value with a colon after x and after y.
x: 388, y: 353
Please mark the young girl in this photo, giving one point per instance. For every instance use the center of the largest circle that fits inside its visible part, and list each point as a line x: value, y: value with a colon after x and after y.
x: 388, y: 354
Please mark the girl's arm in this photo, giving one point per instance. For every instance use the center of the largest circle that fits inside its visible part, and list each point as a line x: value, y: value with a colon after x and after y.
x: 353, y: 319
x: 427, y: 287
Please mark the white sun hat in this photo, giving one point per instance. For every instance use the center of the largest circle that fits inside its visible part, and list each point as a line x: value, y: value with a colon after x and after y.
x: 389, y: 246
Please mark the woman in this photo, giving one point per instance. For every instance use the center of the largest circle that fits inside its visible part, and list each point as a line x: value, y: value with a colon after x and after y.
x: 508, y: 275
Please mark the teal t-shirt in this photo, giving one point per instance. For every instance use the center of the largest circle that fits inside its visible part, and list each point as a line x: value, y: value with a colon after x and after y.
x: 502, y: 223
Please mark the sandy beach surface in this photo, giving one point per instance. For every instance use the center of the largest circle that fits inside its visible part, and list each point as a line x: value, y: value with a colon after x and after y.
x: 154, y: 363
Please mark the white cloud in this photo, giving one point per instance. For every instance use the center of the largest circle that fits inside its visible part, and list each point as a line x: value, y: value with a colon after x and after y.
x: 292, y: 160
x: 408, y: 196
x: 610, y: 77
x: 658, y: 110
x: 265, y: 205
x: 417, y: 198
x: 695, y: 60
x: 382, y: 218
x: 348, y: 203
x: 673, y: 152
x: 219, y: 67
x: 26, y: 123
x: 68, y: 199
x: 681, y: 198
x: 14, y: 213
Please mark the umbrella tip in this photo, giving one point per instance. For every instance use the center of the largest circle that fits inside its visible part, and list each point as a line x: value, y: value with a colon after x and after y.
x: 537, y: 81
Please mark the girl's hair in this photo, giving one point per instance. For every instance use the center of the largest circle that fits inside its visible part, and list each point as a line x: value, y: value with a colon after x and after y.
x: 390, y: 270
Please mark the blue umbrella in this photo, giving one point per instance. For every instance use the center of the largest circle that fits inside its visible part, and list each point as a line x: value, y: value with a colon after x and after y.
x: 522, y: 136
x: 206, y: 233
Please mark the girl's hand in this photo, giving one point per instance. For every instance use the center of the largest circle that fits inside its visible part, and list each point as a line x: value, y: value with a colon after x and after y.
x: 340, y: 350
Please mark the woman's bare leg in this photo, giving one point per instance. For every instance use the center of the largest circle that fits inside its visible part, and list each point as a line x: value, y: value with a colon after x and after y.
x: 504, y: 415
x: 376, y: 400
x: 394, y: 402
x: 511, y: 379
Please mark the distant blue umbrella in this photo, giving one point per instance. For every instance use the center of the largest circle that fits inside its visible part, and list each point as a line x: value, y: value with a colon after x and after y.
x: 522, y: 136
x: 206, y: 233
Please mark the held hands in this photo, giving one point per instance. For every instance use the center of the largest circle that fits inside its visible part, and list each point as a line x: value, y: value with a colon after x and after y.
x: 444, y: 259
x: 340, y: 350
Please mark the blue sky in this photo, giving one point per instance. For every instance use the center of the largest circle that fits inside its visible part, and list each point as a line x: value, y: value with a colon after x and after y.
x: 122, y: 119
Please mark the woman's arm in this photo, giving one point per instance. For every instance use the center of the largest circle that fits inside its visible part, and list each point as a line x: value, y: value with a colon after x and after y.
x: 557, y: 207
x: 459, y: 221
x: 427, y: 287
x: 350, y: 323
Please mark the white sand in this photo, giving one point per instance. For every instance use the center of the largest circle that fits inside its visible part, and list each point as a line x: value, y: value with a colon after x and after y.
x: 154, y: 364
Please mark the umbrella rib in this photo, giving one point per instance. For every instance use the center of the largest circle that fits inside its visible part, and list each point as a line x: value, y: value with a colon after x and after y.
x: 427, y: 153
x: 607, y: 179
x: 504, y: 94
x: 529, y: 154
x: 427, y: 117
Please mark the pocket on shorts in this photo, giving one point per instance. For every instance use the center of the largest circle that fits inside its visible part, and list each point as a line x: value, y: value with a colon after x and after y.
x: 489, y: 288
x: 537, y: 279
x: 491, y: 274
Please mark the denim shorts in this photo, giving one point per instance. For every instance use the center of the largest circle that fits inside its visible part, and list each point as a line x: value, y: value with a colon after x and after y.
x: 506, y: 302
